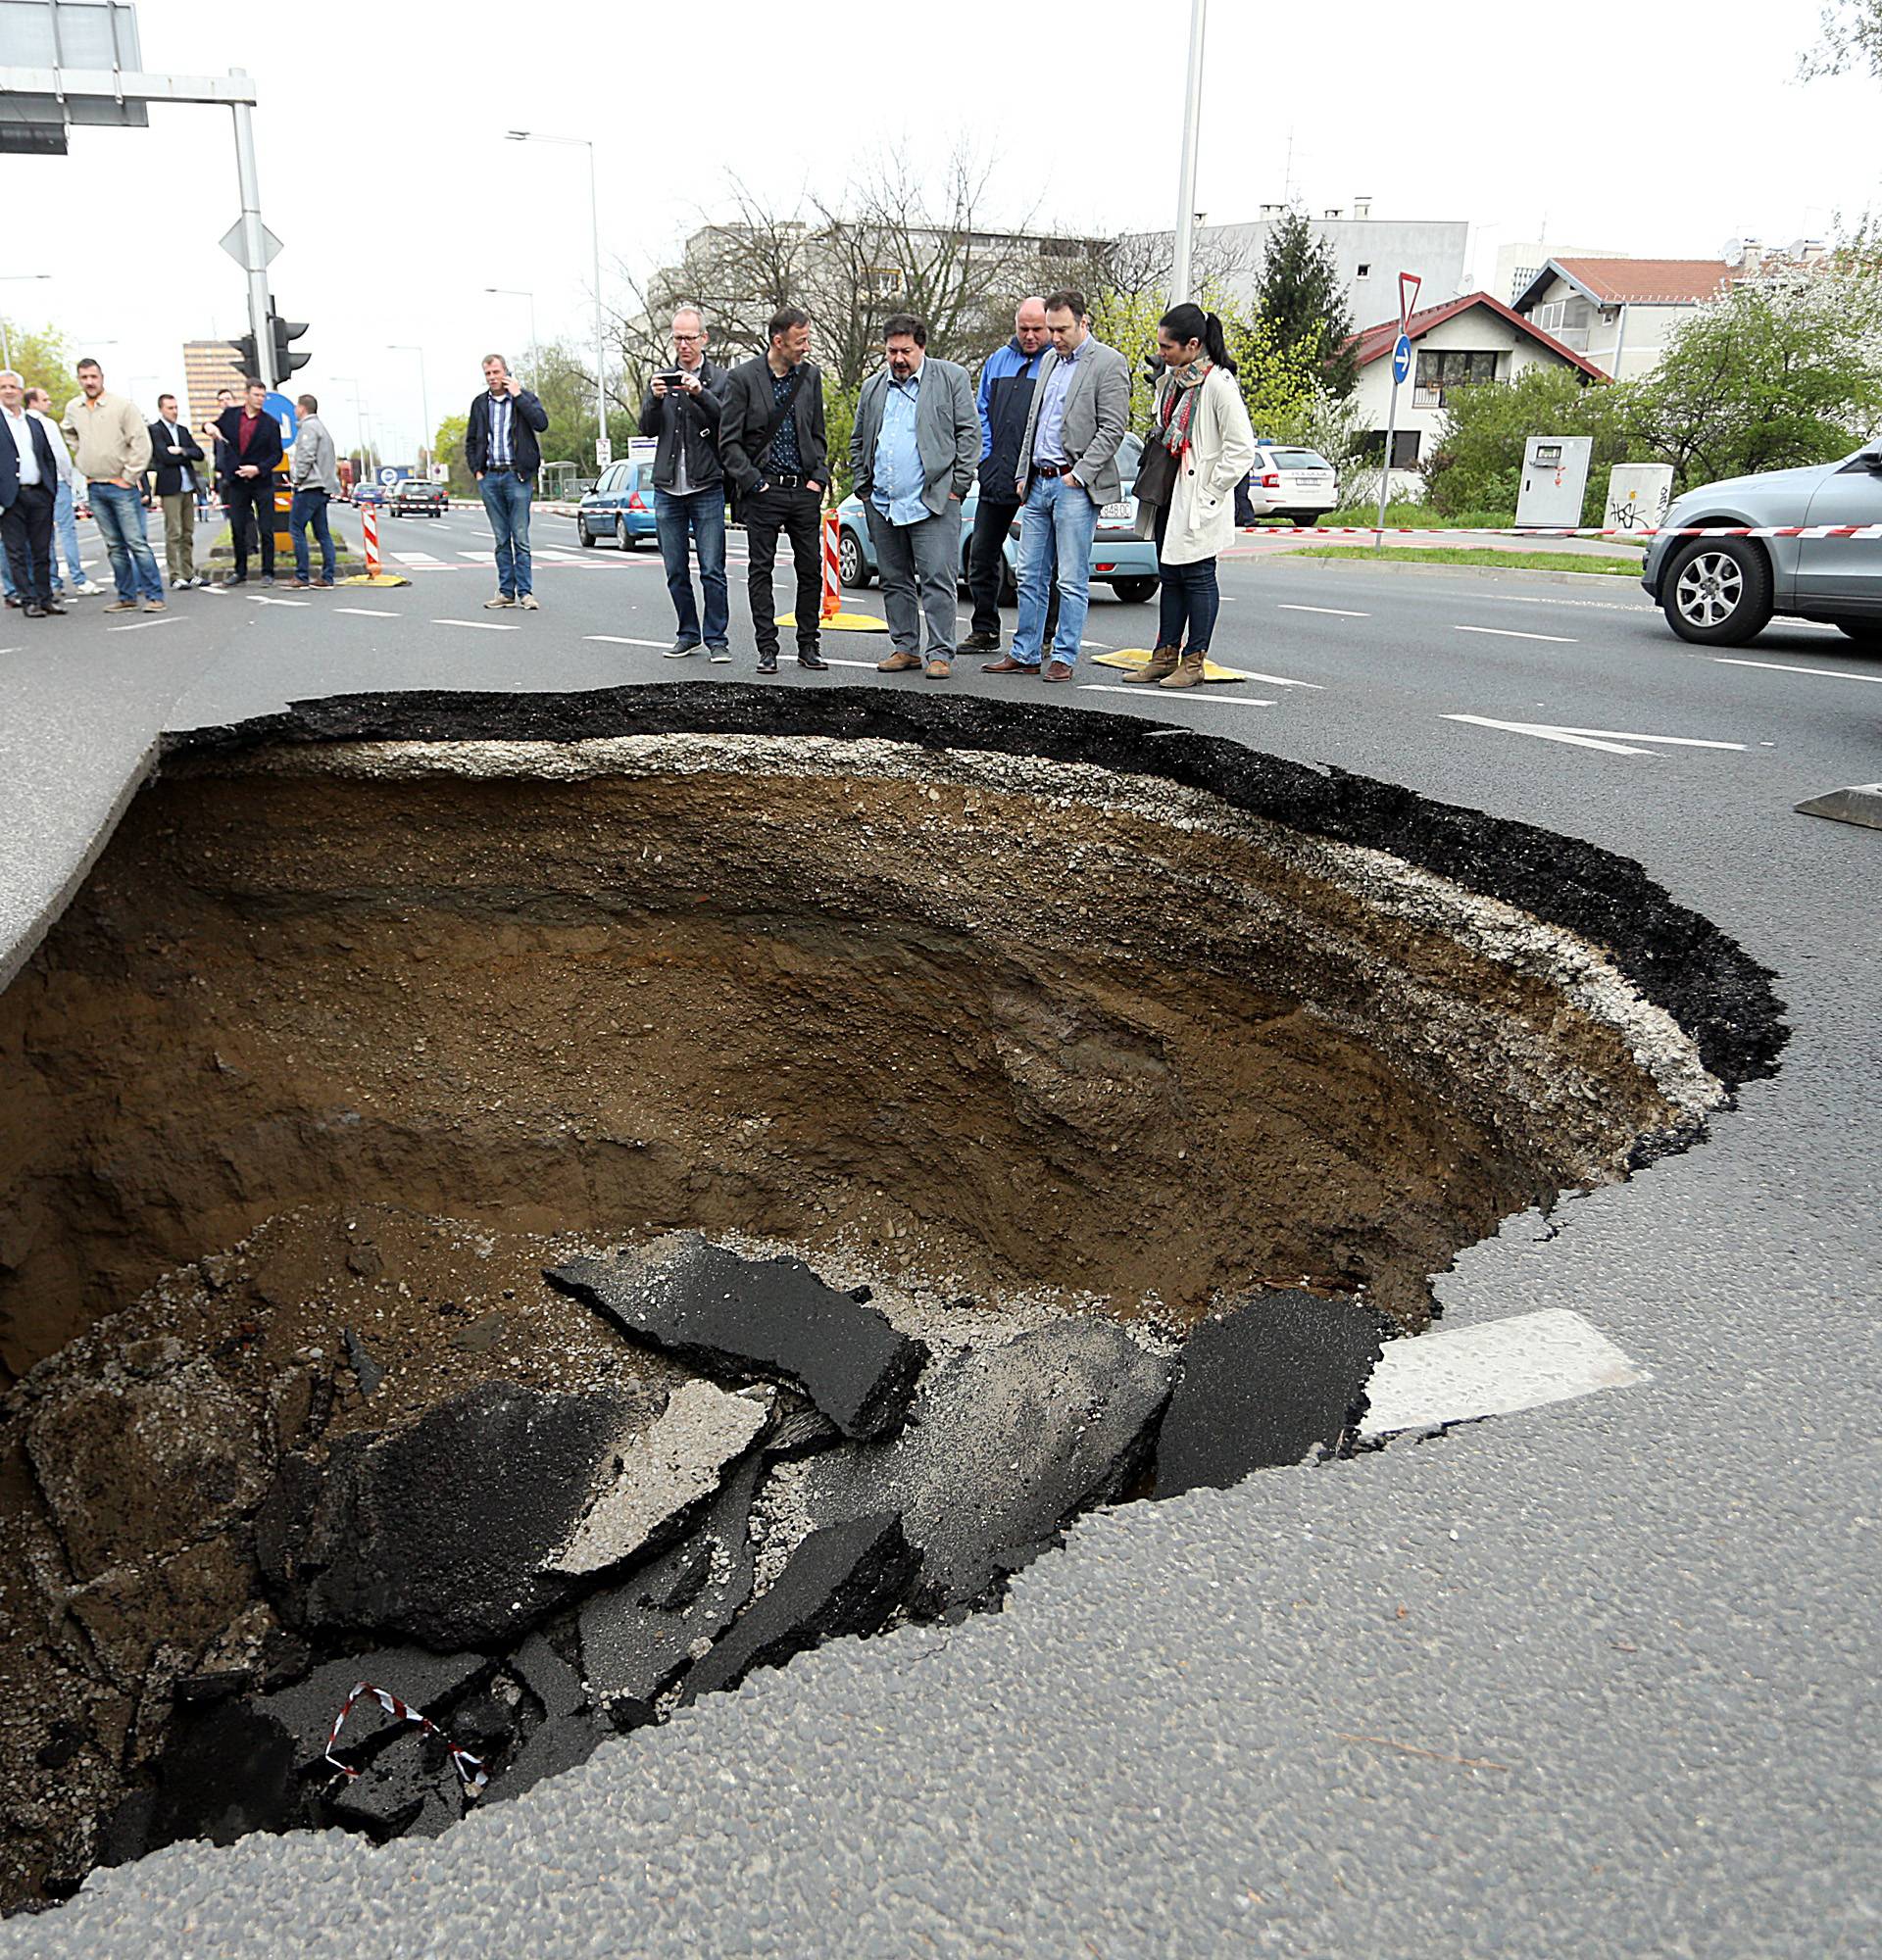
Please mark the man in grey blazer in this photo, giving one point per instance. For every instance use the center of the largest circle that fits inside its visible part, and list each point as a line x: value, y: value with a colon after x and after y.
x: 1068, y: 474
x: 913, y: 450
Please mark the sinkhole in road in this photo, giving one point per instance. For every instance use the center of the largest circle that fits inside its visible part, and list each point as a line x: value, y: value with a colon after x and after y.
x: 1058, y: 1034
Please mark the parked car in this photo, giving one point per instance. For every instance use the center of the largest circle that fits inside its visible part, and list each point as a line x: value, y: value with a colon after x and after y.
x: 412, y: 495
x: 621, y: 506
x: 1720, y: 592
x: 1119, y: 558
x: 1297, y: 484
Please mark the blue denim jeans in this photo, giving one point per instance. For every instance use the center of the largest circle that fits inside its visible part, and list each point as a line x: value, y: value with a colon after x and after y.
x: 1190, y: 598
x: 121, y: 524
x: 506, y: 501
x: 700, y: 514
x: 310, y: 507
x: 65, y: 529
x: 1055, y: 529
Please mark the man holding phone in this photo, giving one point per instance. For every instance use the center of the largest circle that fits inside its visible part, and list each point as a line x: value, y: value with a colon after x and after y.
x: 500, y: 445
x: 682, y: 408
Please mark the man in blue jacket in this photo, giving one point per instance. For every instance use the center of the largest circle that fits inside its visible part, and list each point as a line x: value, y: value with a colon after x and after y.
x: 1004, y: 402
x: 501, y: 448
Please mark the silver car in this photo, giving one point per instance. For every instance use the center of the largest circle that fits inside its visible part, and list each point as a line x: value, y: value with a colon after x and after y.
x: 1720, y: 592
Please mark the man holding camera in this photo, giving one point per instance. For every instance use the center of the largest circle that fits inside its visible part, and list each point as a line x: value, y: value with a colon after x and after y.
x: 771, y: 442
x: 682, y: 408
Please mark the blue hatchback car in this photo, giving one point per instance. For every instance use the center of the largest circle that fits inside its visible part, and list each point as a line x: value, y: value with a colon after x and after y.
x: 1119, y: 558
x: 621, y: 506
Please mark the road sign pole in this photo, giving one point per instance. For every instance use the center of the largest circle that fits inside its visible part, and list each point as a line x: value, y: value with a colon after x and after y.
x: 254, y: 252
x: 1181, y: 275
x: 1385, y: 475
x: 1408, y: 284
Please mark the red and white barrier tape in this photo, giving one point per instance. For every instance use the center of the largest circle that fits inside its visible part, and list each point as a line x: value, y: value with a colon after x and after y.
x: 468, y: 1767
x: 1870, y: 532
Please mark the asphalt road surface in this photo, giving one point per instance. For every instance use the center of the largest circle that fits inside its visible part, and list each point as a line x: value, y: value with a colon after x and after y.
x: 1597, y: 1678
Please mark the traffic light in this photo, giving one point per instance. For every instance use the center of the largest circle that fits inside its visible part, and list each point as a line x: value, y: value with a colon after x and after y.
x: 285, y: 359
x: 247, y: 359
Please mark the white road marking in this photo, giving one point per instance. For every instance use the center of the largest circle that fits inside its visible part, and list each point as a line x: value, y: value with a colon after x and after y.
x: 1143, y: 693
x: 618, y: 640
x: 367, y: 612
x: 1523, y: 1362
x: 1332, y: 611
x: 483, y: 625
x: 1508, y: 633
x: 260, y: 601
x: 421, y: 561
x: 868, y: 666
x: 1776, y: 666
x: 138, y: 626
x: 1609, y: 741
x: 1274, y: 680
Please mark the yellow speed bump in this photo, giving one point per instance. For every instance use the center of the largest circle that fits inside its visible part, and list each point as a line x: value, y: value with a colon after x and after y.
x: 372, y: 578
x: 1139, y: 657
x: 842, y: 622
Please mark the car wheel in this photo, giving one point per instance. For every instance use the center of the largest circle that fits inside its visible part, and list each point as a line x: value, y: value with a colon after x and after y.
x: 1717, y: 592
x: 624, y: 537
x: 1866, y: 633
x: 849, y: 567
x: 586, y: 536
x: 1133, y: 590
x: 1309, y: 520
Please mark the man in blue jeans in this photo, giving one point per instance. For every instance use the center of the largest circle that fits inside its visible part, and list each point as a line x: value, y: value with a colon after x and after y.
x: 314, y: 476
x: 1068, y: 472
x: 111, y: 442
x: 65, y: 513
x: 682, y: 408
x: 501, y: 448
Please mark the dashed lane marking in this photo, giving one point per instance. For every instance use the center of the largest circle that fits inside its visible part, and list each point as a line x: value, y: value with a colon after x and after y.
x: 259, y: 600
x: 620, y: 640
x: 1778, y: 666
x: 1143, y: 693
x: 368, y: 612
x: 1332, y: 611
x: 1461, y: 1374
x: 138, y: 626
x: 1609, y: 741
x: 483, y: 625
x: 1509, y: 633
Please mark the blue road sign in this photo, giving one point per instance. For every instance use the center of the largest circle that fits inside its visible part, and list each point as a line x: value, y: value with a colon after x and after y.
x: 282, y: 410
x: 1402, y: 358
x: 393, y: 472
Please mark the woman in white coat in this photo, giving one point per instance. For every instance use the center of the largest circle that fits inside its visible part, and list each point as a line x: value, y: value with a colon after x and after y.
x: 1201, y: 419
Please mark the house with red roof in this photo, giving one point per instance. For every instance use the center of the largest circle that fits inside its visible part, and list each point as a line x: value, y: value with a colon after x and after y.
x: 1620, y: 312
x: 1457, y: 344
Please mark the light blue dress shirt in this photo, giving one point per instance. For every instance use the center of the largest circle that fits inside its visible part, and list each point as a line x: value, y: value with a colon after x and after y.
x: 1049, y: 433
x: 899, y: 479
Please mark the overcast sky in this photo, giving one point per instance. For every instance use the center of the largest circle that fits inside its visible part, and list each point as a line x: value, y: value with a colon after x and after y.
x: 385, y: 173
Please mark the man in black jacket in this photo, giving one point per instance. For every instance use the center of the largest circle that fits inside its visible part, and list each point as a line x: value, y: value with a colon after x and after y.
x: 29, y: 484
x: 684, y: 407
x: 500, y: 446
x: 771, y: 443
x: 1007, y: 383
x: 254, y: 452
x: 173, y: 456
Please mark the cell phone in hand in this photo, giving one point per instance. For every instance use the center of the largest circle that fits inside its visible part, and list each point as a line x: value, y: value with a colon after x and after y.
x: 670, y: 376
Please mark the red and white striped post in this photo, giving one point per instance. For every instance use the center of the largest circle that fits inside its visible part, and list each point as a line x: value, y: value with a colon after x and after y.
x: 832, y: 581
x: 370, y: 536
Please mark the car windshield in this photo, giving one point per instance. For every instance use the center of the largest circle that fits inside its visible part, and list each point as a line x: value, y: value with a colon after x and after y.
x: 1299, y: 458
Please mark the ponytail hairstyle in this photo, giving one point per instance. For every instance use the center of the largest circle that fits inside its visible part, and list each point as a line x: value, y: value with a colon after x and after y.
x: 1188, y: 322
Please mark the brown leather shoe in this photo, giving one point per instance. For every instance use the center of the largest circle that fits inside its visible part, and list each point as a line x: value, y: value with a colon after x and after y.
x: 1188, y: 672
x: 939, y: 669
x: 1007, y: 665
x: 1057, y: 670
x: 899, y: 663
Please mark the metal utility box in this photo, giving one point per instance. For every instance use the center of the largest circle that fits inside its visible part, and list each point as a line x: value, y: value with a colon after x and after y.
x: 1555, y: 474
x: 1637, y: 494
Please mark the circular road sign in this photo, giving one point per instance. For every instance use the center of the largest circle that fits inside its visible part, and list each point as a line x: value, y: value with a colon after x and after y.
x: 1402, y: 358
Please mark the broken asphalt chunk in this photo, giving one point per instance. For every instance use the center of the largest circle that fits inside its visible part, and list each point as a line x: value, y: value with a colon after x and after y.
x: 844, y: 1579
x: 747, y: 1319
x: 1004, y: 1446
x: 1280, y: 1376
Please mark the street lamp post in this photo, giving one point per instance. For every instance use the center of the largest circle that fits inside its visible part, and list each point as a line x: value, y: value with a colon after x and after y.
x: 424, y: 395
x: 352, y: 382
x: 6, y: 338
x: 1181, y: 270
x: 518, y: 293
x: 594, y: 229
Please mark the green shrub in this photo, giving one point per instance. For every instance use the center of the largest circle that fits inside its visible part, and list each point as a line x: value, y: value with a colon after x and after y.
x: 1475, y: 464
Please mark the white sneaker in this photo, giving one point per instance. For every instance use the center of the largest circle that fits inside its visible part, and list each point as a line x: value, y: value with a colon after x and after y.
x: 492, y: 604
x: 87, y: 590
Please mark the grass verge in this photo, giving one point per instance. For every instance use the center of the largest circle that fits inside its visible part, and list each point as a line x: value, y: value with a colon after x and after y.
x: 1506, y: 561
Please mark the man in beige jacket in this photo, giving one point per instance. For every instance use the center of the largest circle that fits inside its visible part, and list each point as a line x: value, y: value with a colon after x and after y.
x: 113, y: 444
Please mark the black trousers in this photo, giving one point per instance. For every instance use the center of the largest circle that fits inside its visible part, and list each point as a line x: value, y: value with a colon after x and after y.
x: 797, y: 513
x: 986, y: 560
x: 251, y: 501
x: 25, y: 525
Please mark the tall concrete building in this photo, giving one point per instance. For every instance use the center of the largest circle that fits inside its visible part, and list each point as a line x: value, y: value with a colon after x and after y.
x: 208, y: 364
